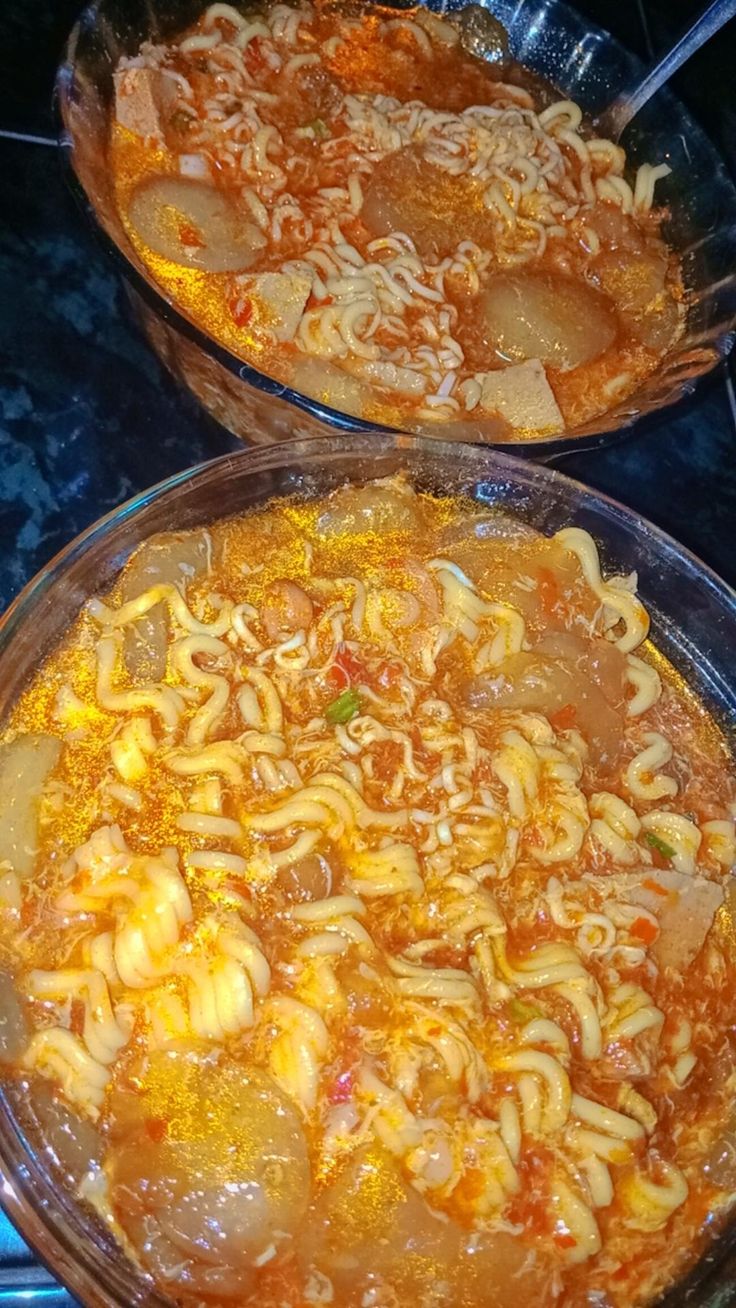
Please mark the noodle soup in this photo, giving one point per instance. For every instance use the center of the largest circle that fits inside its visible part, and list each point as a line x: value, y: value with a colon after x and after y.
x: 387, y: 213
x: 366, y: 930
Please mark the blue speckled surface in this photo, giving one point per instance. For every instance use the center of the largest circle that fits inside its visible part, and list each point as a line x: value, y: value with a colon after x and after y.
x: 88, y: 417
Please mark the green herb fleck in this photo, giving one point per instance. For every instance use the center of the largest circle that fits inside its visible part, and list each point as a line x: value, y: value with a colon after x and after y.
x: 320, y: 128
x: 343, y: 708
x: 665, y: 850
x: 521, y: 1012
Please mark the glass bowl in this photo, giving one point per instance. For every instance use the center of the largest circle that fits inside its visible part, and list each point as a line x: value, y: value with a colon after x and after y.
x: 583, y: 61
x: 693, y: 621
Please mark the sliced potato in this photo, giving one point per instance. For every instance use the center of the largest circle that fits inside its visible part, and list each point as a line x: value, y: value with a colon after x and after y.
x: 194, y: 224
x: 380, y: 507
x: 208, y: 1167
x: 547, y: 316
x: 25, y: 764
x: 174, y: 558
x: 331, y: 385
x: 437, y: 210
x: 13, y: 1027
x: 371, y: 1223
x: 73, y: 1143
x: 637, y: 283
x: 279, y: 300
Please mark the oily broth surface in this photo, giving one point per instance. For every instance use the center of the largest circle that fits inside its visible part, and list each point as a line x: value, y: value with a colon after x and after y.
x: 373, y: 62
x: 161, y: 1102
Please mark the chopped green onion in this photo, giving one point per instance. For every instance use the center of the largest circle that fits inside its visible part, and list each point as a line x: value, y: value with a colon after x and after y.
x: 343, y: 708
x: 665, y: 850
x: 320, y: 128
x: 521, y: 1012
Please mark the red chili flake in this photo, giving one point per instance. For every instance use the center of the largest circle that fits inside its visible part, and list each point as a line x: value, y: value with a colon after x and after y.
x: 565, y: 1241
x: 157, y: 1129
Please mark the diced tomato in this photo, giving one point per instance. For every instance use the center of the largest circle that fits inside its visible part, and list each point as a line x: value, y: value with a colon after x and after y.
x: 76, y: 1017
x: 548, y: 589
x: 644, y: 930
x: 156, y: 1129
x: 348, y: 669
x: 563, y: 718
x: 242, y: 312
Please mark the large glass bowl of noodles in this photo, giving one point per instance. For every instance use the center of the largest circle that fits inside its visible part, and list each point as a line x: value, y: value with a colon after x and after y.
x: 582, y: 62
x: 45, y: 1152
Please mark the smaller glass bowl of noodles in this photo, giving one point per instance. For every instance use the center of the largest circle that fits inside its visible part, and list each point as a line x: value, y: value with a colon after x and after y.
x: 392, y: 218
x: 366, y: 916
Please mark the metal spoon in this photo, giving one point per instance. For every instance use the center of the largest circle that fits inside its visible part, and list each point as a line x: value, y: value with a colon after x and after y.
x: 613, y: 120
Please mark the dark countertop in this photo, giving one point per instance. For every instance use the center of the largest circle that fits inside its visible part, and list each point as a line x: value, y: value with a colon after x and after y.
x: 88, y: 417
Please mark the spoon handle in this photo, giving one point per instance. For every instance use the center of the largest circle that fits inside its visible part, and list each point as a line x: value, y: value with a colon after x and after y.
x: 631, y: 100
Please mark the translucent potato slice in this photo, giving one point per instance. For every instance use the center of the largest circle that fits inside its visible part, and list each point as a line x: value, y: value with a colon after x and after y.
x: 173, y: 558
x: 637, y: 283
x: 208, y: 1168
x: 379, y: 507
x: 437, y: 210
x: 13, y: 1026
x: 25, y: 764
x: 547, y: 316
x: 371, y: 1223
x: 370, y: 1227
x: 194, y: 224
x: 330, y: 384
x: 72, y: 1142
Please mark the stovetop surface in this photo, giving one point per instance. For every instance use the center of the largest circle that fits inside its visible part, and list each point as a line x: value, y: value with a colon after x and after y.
x: 88, y: 417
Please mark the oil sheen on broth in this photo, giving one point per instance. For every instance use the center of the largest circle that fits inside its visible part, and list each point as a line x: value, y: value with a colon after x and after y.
x: 363, y: 207
x: 365, y: 929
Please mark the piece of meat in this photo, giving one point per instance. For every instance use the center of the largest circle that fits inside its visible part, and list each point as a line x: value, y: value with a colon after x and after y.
x: 143, y: 96
x: 684, y: 906
x: 523, y: 396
